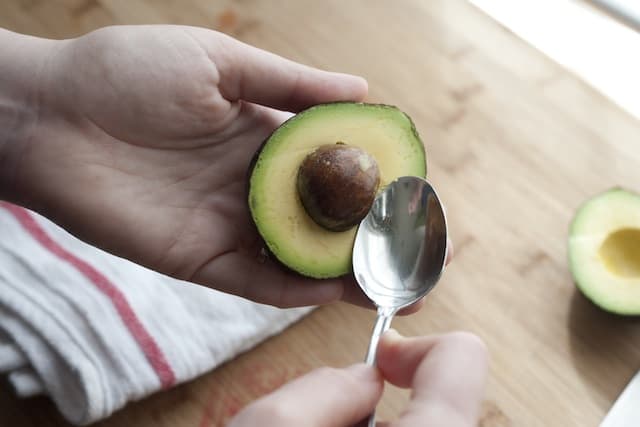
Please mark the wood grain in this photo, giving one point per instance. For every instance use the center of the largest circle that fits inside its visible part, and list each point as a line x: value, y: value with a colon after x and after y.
x: 514, y: 143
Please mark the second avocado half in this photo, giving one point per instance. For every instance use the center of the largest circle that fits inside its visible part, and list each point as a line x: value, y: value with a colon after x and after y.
x: 313, y: 175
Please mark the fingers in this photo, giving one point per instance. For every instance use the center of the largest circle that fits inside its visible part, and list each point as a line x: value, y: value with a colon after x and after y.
x: 269, y: 283
x: 326, y: 397
x: 254, y: 75
x: 450, y: 251
x: 239, y: 274
x: 447, y: 374
x: 265, y: 282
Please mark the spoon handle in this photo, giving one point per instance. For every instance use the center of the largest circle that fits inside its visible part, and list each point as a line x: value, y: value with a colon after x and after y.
x: 383, y: 321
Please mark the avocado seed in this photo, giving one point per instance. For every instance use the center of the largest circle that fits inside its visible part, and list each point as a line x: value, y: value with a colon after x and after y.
x: 337, y: 184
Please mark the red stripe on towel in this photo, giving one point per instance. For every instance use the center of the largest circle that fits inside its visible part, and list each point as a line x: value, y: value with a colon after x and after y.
x: 149, y: 347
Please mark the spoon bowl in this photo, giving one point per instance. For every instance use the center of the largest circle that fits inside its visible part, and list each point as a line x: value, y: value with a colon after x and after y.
x: 401, y: 245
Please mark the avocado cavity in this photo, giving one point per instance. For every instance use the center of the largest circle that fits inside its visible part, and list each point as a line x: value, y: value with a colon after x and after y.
x: 620, y: 252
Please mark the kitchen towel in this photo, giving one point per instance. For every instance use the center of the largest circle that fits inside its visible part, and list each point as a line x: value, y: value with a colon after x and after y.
x: 93, y: 331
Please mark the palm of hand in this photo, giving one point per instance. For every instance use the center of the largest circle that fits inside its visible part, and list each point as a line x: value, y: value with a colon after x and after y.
x: 158, y: 135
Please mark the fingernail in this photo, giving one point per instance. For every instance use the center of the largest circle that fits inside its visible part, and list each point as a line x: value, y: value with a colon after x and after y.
x: 363, y: 371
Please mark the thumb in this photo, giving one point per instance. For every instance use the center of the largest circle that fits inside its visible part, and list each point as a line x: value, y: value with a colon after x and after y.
x: 255, y: 75
x: 447, y: 375
x: 326, y: 397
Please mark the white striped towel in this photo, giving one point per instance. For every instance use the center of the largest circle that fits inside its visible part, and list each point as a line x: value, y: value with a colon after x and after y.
x: 94, y: 331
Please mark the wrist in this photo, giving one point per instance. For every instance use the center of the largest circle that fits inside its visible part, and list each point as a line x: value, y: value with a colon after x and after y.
x: 23, y: 82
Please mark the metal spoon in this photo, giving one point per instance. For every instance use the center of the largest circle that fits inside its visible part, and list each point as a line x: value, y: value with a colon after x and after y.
x: 400, y: 251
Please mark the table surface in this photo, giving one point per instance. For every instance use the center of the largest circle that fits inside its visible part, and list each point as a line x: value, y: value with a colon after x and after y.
x: 515, y: 143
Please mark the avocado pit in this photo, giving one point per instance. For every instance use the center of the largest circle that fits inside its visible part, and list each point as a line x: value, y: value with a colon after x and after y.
x: 337, y: 184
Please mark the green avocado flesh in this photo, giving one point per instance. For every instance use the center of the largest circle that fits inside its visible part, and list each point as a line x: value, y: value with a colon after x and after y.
x: 291, y: 235
x: 604, y: 251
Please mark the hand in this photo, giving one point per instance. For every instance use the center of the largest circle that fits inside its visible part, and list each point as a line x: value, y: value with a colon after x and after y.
x: 446, y: 373
x: 141, y: 144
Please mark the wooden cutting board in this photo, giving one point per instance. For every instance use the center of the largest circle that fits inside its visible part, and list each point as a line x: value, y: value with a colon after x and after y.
x: 515, y: 144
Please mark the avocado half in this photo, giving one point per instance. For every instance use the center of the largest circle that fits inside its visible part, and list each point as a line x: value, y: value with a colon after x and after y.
x: 604, y: 251
x: 384, y: 132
